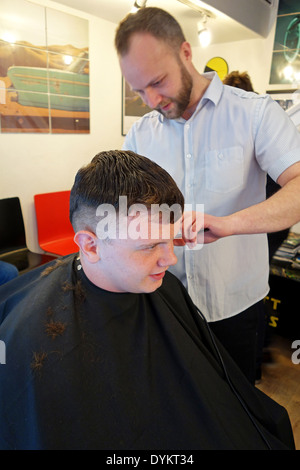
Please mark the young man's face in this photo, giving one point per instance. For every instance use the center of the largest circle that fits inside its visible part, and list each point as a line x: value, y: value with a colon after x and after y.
x: 137, y: 265
x: 153, y: 70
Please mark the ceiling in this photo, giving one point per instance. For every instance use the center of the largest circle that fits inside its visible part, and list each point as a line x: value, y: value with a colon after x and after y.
x: 223, y: 28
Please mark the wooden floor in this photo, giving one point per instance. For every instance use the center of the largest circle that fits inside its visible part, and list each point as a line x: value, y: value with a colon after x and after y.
x: 281, y: 380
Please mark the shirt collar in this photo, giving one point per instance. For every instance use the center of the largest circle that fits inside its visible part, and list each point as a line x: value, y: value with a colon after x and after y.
x: 214, y: 90
x: 212, y: 93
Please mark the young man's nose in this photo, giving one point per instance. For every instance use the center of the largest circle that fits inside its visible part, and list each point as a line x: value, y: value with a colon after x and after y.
x: 168, y: 257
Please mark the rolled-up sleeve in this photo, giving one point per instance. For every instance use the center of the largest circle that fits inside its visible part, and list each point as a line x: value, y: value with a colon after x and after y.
x: 277, y: 140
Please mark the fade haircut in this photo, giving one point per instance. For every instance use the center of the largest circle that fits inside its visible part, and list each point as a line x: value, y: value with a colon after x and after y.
x: 152, y: 20
x: 116, y: 173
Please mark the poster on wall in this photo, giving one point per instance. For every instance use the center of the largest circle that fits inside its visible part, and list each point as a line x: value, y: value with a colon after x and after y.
x: 285, y: 67
x: 286, y: 99
x: 133, y: 107
x: 44, y: 70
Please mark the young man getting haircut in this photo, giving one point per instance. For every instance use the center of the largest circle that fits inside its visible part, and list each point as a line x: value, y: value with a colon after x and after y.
x: 106, y: 350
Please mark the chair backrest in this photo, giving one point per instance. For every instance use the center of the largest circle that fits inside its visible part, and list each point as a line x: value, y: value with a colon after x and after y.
x: 12, y: 231
x: 55, y: 232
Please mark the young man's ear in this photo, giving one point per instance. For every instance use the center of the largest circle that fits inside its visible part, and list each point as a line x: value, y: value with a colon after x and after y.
x: 88, y: 244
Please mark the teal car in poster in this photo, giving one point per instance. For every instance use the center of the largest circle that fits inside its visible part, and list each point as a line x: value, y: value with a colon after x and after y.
x: 43, y: 87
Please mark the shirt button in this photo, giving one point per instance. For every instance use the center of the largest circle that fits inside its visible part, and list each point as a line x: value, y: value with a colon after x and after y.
x: 221, y: 156
x: 188, y: 155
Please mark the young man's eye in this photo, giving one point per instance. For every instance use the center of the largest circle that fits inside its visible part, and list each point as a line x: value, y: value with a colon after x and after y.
x: 150, y: 247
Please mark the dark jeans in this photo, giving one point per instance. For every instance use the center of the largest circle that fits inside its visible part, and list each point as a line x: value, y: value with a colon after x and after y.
x: 242, y: 335
x: 7, y: 272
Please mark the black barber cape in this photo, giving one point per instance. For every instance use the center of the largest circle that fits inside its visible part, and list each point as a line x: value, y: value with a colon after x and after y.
x: 91, y: 369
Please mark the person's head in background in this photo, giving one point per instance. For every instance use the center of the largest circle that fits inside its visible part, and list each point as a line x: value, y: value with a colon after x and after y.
x: 126, y: 244
x: 239, y: 80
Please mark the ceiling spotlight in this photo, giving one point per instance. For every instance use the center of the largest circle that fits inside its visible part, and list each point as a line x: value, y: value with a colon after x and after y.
x: 137, y: 5
x: 204, y: 37
x: 204, y: 33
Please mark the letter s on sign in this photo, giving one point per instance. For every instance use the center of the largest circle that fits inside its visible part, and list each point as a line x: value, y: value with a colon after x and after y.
x: 296, y: 354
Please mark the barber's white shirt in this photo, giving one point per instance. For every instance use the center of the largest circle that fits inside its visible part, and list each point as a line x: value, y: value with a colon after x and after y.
x: 219, y: 158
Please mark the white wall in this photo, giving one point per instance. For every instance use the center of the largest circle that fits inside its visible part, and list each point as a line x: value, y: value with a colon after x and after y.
x: 33, y: 163
x: 38, y: 163
x: 253, y: 56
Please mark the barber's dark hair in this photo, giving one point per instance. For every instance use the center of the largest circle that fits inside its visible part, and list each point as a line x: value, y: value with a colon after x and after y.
x: 159, y: 23
x: 116, y: 173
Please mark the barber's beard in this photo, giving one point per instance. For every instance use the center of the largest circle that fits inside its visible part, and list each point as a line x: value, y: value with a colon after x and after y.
x: 181, y: 102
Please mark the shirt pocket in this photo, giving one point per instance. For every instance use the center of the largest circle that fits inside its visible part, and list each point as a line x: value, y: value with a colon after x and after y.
x: 224, y: 169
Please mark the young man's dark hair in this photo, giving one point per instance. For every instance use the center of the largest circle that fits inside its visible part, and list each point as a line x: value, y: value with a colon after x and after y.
x: 116, y: 173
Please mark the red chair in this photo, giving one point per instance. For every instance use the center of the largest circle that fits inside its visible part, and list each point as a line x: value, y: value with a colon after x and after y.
x: 55, y: 232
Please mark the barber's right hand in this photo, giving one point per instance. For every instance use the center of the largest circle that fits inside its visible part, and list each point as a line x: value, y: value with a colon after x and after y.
x: 199, y: 228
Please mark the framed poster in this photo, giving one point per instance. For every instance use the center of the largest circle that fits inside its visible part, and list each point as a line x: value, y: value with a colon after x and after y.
x: 285, y: 67
x: 44, y: 70
x: 133, y: 107
x: 285, y: 98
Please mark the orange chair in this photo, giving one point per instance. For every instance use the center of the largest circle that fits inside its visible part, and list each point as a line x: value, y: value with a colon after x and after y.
x: 55, y: 232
